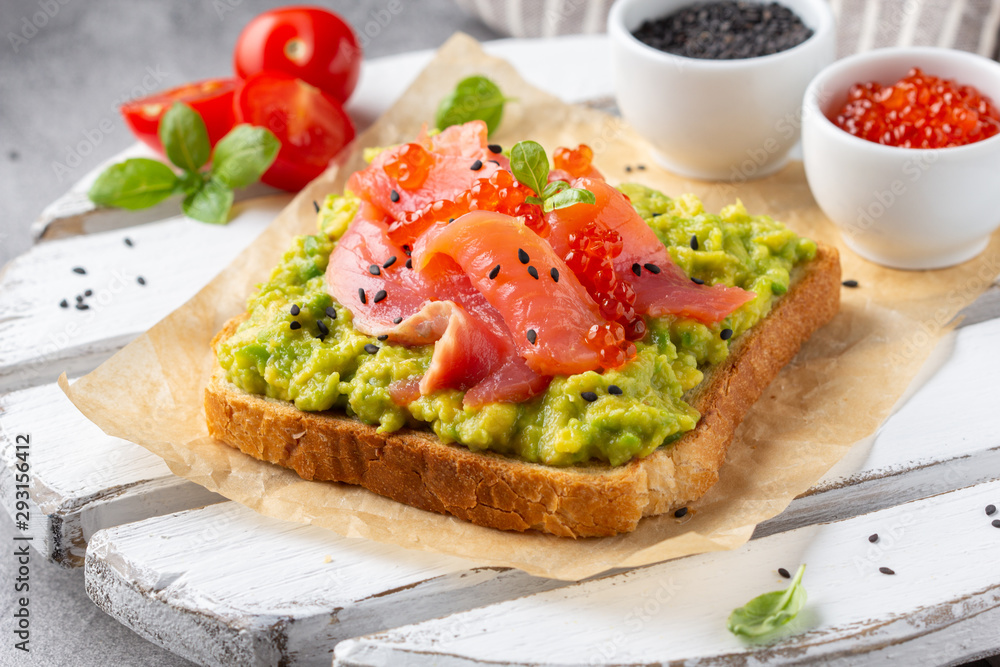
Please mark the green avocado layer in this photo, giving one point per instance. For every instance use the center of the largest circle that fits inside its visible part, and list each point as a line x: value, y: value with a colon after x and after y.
x: 265, y: 356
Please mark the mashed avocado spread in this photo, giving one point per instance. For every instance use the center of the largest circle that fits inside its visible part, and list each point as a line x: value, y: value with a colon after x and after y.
x: 336, y: 372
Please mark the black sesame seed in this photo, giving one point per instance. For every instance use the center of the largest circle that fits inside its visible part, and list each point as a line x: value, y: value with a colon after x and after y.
x: 885, y: 570
x: 384, y: 337
x: 497, y: 163
x: 82, y: 306
x: 374, y: 270
x: 640, y: 167
x: 698, y: 281
x: 451, y: 220
x: 532, y: 336
x: 407, y: 249
x: 361, y: 295
x: 79, y: 298
x: 850, y: 283
x: 652, y: 268
x: 694, y: 242
x: 379, y: 296
x: 409, y: 264
x: 331, y: 312
x: 128, y: 242
x: 316, y: 205
x: 295, y: 310
x: 295, y: 325
x: 628, y: 169
x: 494, y: 272
x: 394, y: 196
x: 389, y: 262
x: 89, y: 292
x: 555, y: 274
x: 991, y: 510
x: 873, y: 538
x: 495, y: 149
x: 533, y: 272
x: 371, y: 348
x: 397, y: 320
x: 995, y: 523
x: 784, y: 573
x: 141, y: 280
x: 323, y: 329
x: 588, y: 396
x: 523, y: 256
x: 79, y: 269
x: 682, y: 512
x: 726, y: 334
x: 64, y: 304
x: 615, y: 390
x: 477, y: 165
x: 636, y: 269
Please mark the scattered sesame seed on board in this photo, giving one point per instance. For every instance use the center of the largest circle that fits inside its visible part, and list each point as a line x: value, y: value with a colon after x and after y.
x: 64, y: 304
x: 850, y: 283
x: 128, y: 242
x: 680, y: 513
x: 784, y: 573
x: 141, y: 280
x: 995, y: 523
x: 886, y: 570
x: 80, y: 270
x: 640, y: 167
x: 991, y: 510
x: 628, y: 169
x: 873, y: 538
x: 82, y: 306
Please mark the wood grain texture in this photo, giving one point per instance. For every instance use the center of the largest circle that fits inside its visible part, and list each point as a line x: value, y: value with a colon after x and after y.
x: 39, y: 340
x: 224, y: 586
x: 82, y: 480
x: 941, y: 605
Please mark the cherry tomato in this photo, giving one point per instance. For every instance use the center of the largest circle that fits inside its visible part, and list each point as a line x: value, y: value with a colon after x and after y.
x: 310, y: 123
x: 212, y: 98
x: 311, y: 43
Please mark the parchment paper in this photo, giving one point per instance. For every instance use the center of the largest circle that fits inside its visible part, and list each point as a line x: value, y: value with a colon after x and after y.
x: 836, y: 392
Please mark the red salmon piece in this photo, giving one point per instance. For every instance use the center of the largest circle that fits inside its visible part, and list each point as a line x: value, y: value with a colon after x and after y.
x: 665, y: 290
x: 549, y: 319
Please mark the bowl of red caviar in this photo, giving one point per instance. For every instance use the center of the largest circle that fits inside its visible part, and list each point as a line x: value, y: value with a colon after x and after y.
x: 902, y: 152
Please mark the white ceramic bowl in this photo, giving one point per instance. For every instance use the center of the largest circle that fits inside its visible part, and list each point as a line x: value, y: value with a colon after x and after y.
x: 901, y: 207
x: 716, y: 119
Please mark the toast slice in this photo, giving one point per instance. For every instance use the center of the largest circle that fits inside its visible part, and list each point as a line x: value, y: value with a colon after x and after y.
x: 416, y: 468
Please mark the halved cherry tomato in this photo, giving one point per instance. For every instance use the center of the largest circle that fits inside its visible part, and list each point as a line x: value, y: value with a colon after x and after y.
x: 311, y: 43
x: 212, y: 99
x: 310, y: 123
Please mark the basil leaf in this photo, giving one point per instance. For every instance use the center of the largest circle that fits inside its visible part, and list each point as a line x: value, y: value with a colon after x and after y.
x: 210, y: 203
x: 243, y: 155
x: 134, y: 184
x: 565, y: 198
x: 766, y: 613
x: 474, y: 98
x: 184, y: 137
x: 530, y: 165
x: 554, y: 187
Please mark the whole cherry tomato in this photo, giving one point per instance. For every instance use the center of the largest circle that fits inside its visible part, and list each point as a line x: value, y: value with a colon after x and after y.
x: 310, y: 43
x: 212, y: 99
x: 311, y: 125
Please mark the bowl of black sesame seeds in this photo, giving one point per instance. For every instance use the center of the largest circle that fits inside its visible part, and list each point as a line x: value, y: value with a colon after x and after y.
x: 716, y: 86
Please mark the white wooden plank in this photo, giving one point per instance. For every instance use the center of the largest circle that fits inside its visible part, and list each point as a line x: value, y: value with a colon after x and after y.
x: 39, y: 340
x: 81, y: 480
x: 224, y: 586
x: 941, y: 606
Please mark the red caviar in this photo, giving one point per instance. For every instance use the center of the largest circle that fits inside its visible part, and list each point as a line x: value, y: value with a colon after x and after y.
x: 574, y: 161
x: 918, y: 111
x: 409, y: 166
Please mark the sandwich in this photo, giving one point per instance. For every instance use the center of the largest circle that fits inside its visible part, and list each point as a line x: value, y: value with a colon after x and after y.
x: 476, y: 332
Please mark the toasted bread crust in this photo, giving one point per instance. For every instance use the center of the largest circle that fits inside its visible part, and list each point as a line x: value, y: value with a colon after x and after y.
x: 488, y: 489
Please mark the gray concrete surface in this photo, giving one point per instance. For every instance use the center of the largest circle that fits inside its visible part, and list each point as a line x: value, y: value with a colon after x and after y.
x: 56, y: 88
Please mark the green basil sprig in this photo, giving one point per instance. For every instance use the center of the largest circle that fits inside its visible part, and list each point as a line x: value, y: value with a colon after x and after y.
x: 474, y: 98
x: 766, y: 613
x: 239, y: 159
x: 530, y: 166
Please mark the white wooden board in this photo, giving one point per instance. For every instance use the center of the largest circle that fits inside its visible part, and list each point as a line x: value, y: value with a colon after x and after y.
x: 225, y: 586
x: 941, y: 606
